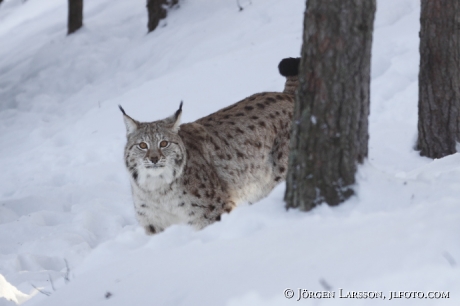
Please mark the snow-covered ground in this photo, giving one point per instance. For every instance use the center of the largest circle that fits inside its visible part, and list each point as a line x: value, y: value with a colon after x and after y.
x: 67, y: 225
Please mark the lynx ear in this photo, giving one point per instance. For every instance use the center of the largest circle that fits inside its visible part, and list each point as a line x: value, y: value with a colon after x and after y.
x: 131, y: 124
x: 174, y: 120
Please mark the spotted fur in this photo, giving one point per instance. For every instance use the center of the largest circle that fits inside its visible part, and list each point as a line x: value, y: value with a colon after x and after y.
x: 235, y: 155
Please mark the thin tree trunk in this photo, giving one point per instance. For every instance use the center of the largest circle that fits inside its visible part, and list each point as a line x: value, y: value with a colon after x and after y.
x: 75, y: 20
x: 156, y: 12
x: 330, y: 128
x: 439, y: 78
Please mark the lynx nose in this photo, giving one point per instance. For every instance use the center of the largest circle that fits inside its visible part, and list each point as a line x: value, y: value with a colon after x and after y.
x: 154, y: 159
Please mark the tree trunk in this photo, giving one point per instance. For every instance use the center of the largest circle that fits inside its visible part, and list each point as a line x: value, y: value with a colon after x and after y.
x: 157, y: 10
x: 75, y: 20
x: 330, y: 128
x: 439, y: 78
x: 156, y: 13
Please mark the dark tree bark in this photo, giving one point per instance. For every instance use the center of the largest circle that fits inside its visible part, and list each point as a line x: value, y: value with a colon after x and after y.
x: 75, y: 20
x: 157, y: 11
x: 330, y: 128
x: 439, y: 78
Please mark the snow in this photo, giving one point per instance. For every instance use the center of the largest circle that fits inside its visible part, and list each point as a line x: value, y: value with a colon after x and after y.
x: 65, y: 202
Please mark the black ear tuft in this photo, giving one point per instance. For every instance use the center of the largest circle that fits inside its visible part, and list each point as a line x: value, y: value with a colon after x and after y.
x: 122, y: 110
x: 289, y: 66
x: 179, y: 111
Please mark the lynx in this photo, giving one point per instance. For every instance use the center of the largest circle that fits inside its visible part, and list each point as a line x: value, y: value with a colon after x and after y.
x: 193, y: 173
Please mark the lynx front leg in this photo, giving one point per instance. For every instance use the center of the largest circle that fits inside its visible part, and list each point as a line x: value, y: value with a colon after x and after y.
x: 151, y: 229
x: 210, y: 213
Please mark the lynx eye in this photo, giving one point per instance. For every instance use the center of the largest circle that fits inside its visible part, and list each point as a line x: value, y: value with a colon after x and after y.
x: 163, y: 144
x: 143, y: 145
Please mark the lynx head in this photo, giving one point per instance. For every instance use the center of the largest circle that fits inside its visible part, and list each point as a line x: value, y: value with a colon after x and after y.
x: 154, y: 149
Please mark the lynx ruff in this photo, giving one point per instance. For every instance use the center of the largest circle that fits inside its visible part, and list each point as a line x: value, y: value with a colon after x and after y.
x: 193, y: 173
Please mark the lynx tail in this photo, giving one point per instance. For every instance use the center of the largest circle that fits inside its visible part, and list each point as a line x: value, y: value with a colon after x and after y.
x: 289, y: 68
